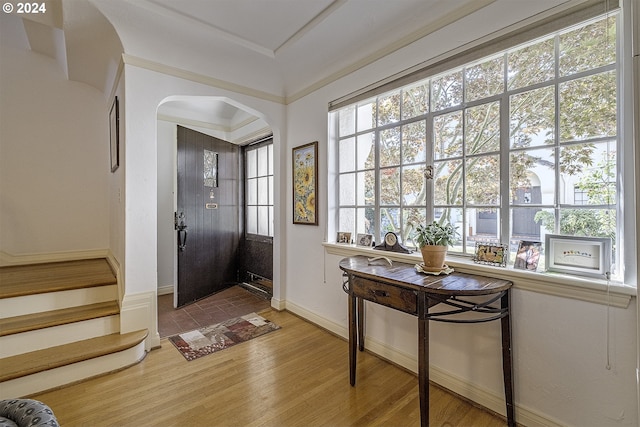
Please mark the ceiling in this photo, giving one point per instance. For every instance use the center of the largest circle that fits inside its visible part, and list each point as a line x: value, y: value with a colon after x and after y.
x: 278, y: 49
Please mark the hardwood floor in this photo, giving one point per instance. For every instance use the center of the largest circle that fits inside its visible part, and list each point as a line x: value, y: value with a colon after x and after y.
x: 296, y: 376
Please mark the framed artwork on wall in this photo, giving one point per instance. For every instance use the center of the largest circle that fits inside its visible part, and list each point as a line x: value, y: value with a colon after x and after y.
x: 305, y: 184
x: 114, y: 134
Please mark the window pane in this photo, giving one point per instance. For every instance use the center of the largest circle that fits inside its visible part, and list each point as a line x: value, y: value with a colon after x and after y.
x: 588, y: 47
x: 263, y: 220
x: 415, y: 101
x: 411, y: 218
x: 366, y: 188
x: 390, y: 186
x: 389, y: 109
x: 366, y: 115
x: 347, y: 155
x: 532, y: 176
x: 485, y: 79
x: 252, y: 219
x: 389, y: 220
x: 483, y: 225
x: 483, y: 180
x: 448, y: 183
x: 588, y: 222
x: 532, y: 118
x: 390, y: 147
x: 446, y: 91
x: 347, y: 220
x: 252, y: 164
x: 414, y: 142
x: 270, y: 162
x: 263, y: 191
x: 347, y: 189
x: 482, y: 131
x: 252, y: 191
x: 413, y: 185
x: 271, y: 196
x: 526, y: 223
x: 588, y: 107
x: 447, y: 135
x: 366, y: 220
x: 262, y: 161
x: 271, y: 217
x: 454, y: 217
x: 590, y: 168
x: 347, y: 121
x: 366, y: 151
x: 531, y: 64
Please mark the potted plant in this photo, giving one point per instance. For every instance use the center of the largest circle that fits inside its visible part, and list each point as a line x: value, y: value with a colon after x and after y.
x: 433, y: 240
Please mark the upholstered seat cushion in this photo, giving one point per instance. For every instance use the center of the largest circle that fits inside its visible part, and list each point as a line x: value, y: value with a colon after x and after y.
x: 26, y: 412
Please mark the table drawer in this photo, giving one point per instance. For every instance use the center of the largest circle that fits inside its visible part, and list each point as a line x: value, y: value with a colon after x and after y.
x: 392, y: 296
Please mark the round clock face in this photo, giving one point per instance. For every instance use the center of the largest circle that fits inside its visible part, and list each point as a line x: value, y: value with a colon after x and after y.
x: 390, y: 239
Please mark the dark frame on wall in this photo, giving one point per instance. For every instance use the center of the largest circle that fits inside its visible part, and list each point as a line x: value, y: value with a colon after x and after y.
x: 305, y: 184
x: 114, y: 134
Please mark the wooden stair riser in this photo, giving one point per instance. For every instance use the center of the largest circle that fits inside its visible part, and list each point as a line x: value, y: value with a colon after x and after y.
x: 64, y: 375
x: 38, y: 339
x: 29, y: 304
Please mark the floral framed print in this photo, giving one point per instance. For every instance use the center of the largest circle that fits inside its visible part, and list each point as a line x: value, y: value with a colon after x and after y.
x: 114, y: 134
x: 305, y: 184
x: 491, y: 254
x: 584, y: 256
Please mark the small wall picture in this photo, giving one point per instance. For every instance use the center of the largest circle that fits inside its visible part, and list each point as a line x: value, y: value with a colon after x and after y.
x: 528, y: 255
x: 343, y: 237
x: 364, y: 239
x: 491, y: 254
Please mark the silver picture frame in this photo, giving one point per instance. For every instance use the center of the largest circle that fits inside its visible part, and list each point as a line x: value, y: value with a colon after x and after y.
x: 583, y: 256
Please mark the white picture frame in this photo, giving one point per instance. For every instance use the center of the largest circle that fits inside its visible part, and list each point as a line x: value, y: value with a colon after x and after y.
x: 583, y: 256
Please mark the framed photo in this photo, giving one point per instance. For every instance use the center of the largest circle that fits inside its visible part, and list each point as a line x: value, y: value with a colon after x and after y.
x: 364, y: 240
x: 584, y: 256
x: 114, y: 134
x: 491, y: 254
x: 343, y: 237
x: 305, y: 184
x: 528, y: 255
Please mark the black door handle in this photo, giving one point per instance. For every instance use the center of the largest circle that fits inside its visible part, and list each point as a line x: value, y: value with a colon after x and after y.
x: 182, y: 243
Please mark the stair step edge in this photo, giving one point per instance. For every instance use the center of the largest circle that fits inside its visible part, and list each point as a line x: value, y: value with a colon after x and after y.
x: 34, y: 279
x: 54, y: 357
x: 47, y: 319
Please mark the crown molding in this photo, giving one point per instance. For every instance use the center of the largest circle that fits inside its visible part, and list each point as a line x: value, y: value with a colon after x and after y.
x: 199, y: 78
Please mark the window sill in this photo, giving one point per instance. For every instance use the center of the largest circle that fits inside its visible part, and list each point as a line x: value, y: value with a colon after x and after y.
x: 591, y: 290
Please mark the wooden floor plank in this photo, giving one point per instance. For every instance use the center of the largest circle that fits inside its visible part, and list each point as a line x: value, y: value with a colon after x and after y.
x: 295, y: 376
x: 30, y: 322
x: 33, y: 279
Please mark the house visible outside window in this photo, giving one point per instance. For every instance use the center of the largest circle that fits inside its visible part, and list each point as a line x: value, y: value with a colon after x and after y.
x: 496, y: 147
x: 259, y: 189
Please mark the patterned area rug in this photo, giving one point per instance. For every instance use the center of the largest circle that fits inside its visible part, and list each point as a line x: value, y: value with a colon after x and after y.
x: 210, y: 339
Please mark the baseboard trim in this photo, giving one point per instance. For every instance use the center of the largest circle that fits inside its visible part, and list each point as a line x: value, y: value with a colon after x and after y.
x: 7, y: 259
x: 165, y: 290
x: 445, y: 379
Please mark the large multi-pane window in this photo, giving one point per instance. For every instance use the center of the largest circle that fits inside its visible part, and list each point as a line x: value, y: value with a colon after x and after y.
x: 512, y: 147
x: 259, y: 189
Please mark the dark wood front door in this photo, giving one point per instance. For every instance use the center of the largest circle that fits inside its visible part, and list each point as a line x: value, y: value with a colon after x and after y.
x: 207, y: 217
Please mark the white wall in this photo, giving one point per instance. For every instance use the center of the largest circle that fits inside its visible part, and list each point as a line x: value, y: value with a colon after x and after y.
x: 559, y: 344
x: 54, y: 142
x: 166, y: 204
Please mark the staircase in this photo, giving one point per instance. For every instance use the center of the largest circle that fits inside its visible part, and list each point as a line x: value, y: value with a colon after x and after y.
x: 59, y: 324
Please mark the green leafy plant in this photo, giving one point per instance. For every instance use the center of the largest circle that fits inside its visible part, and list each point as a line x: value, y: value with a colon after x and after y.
x: 436, y: 234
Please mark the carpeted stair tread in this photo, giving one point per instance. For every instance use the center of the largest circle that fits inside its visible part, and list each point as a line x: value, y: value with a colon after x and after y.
x: 30, y: 322
x: 20, y: 280
x: 55, y: 357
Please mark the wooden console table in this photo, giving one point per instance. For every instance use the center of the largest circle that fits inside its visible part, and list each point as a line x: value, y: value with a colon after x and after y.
x: 401, y: 287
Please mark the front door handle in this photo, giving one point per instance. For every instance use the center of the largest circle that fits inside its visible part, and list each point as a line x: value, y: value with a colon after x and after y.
x: 182, y: 241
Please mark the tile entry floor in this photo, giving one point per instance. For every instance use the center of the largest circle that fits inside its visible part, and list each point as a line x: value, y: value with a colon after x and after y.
x: 232, y: 302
